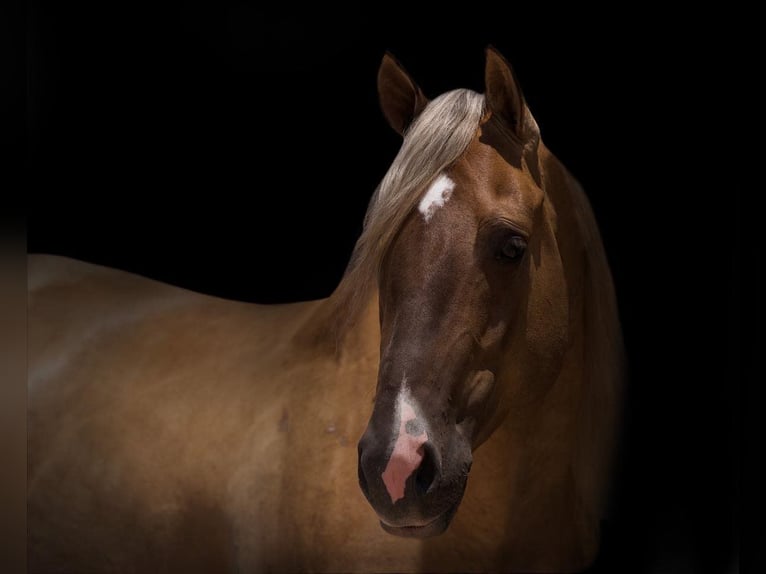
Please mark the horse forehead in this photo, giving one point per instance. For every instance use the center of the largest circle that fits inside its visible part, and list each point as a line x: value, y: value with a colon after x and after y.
x: 481, y: 185
x: 476, y: 181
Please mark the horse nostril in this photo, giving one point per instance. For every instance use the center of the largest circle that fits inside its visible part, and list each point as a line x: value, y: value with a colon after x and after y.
x: 425, y: 473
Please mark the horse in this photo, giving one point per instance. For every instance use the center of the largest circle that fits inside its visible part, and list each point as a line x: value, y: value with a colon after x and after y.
x: 474, y: 333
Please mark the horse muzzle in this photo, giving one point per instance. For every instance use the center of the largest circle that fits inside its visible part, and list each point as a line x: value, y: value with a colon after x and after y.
x: 413, y: 479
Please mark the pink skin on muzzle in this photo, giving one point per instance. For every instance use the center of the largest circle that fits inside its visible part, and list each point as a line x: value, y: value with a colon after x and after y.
x: 406, y: 457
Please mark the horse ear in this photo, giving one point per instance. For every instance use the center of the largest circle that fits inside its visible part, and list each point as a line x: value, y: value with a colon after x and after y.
x: 503, y: 92
x: 400, y: 98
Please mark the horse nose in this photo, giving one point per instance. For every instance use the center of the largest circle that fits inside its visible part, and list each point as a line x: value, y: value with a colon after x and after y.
x: 407, y: 471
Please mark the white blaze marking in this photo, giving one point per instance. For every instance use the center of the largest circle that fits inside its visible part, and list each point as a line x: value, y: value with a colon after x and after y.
x: 408, y: 449
x: 436, y: 196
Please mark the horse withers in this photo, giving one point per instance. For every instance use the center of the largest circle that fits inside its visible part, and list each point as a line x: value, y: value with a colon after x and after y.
x: 474, y: 334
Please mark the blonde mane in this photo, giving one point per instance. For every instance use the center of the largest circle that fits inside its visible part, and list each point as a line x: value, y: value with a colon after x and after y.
x: 437, y: 138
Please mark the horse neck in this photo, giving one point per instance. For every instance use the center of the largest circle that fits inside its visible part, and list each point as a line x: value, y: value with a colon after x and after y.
x: 591, y: 376
x: 329, y: 333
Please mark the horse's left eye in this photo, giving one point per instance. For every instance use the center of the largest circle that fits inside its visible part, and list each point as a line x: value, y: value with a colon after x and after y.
x: 512, y: 248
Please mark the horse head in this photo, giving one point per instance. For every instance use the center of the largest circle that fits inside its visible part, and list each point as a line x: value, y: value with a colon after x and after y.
x: 473, y: 303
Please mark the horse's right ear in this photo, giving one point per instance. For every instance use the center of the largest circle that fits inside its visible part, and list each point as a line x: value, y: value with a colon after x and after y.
x: 400, y: 97
x: 503, y: 92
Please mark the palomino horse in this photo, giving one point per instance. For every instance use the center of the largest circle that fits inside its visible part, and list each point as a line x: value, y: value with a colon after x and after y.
x: 176, y: 432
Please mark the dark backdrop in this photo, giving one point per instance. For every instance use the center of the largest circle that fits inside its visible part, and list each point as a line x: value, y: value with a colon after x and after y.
x: 233, y: 151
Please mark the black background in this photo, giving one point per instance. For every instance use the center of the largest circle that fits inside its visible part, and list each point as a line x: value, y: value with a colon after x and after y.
x: 232, y: 150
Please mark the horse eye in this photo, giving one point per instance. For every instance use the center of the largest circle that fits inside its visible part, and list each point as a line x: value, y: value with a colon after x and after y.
x: 512, y: 248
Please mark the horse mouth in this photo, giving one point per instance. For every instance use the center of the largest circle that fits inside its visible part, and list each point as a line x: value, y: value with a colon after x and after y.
x: 437, y: 526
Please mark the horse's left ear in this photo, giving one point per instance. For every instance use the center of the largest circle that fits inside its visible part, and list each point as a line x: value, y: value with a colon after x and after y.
x: 400, y: 97
x: 503, y: 92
